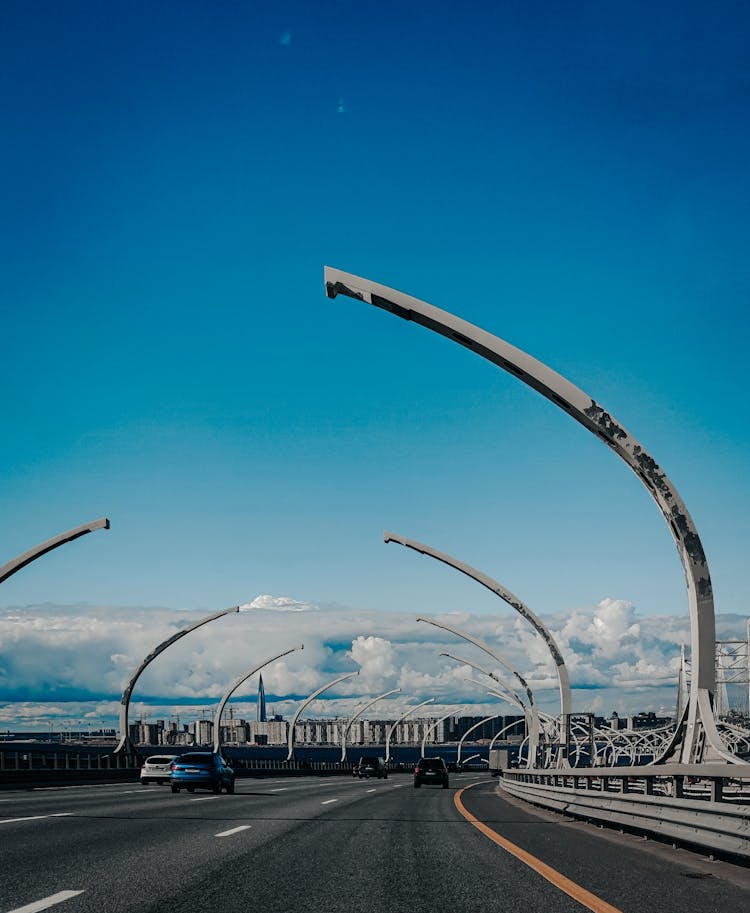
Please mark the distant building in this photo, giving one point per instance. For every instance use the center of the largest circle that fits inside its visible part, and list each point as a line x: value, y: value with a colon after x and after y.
x: 262, y: 718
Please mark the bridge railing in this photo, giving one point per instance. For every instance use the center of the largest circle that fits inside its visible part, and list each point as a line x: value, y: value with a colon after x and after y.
x: 701, y: 805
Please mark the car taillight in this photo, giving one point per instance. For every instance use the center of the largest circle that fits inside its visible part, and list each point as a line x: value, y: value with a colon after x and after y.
x: 416, y: 770
x: 172, y: 765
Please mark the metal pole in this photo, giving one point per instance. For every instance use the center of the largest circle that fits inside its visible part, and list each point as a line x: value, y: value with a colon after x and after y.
x: 585, y: 410
x: 308, y: 701
x: 433, y: 726
x: 7, y: 570
x: 408, y: 713
x: 534, y: 732
x: 232, y: 688
x: 513, y: 601
x: 125, y: 700
x: 359, y: 713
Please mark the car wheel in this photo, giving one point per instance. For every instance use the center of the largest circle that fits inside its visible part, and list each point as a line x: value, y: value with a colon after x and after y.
x: 416, y: 785
x: 230, y: 788
x: 144, y: 782
x: 191, y: 789
x: 445, y: 785
x: 175, y: 789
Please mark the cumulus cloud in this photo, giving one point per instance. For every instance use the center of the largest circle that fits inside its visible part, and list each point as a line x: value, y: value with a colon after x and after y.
x: 74, y: 661
x: 375, y: 658
x: 279, y: 604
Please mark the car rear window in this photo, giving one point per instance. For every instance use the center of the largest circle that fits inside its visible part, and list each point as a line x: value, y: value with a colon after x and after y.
x: 158, y: 760
x: 431, y: 764
x: 195, y: 759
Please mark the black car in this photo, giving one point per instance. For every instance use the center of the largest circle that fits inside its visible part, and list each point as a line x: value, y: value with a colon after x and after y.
x: 201, y: 769
x: 371, y: 767
x: 431, y: 770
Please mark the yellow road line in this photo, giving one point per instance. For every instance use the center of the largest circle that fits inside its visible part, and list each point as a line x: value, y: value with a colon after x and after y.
x: 579, y: 894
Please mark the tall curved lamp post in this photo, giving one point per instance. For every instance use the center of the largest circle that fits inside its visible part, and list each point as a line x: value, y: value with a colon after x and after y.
x: 434, y: 725
x: 7, y: 570
x: 468, y: 732
x: 486, y: 648
x: 358, y: 714
x: 307, y: 702
x: 230, y: 691
x: 497, y: 735
x: 126, y: 694
x: 699, y: 721
x: 401, y: 719
x: 515, y: 603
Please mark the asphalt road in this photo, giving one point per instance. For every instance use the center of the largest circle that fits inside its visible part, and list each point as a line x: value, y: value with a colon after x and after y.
x: 334, y: 844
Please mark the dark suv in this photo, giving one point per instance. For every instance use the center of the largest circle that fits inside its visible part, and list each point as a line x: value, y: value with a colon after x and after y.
x: 201, y: 769
x: 371, y: 767
x: 431, y: 770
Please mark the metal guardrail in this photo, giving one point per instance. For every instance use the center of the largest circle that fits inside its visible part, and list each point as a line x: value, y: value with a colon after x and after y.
x: 700, y: 805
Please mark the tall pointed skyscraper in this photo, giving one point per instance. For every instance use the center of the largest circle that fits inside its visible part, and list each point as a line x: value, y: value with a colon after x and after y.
x: 261, y: 701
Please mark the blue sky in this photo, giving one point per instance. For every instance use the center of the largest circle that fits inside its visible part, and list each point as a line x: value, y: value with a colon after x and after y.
x: 174, y: 177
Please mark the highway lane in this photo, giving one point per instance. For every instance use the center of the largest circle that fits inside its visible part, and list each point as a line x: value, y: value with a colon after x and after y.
x: 335, y: 844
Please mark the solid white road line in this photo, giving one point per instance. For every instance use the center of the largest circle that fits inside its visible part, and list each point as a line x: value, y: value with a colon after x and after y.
x: 279, y: 789
x: 370, y: 790
x: 328, y: 801
x: 36, y: 817
x: 46, y: 902
x: 234, y: 830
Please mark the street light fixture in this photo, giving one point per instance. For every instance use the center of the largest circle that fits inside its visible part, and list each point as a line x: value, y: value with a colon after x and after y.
x: 306, y: 703
x: 697, y: 735
x: 486, y: 648
x: 126, y: 694
x: 230, y: 691
x: 359, y: 713
x: 401, y: 719
x: 7, y: 570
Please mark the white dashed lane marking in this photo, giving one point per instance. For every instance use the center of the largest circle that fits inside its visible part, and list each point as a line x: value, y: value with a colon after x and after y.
x: 234, y: 830
x: 35, y: 818
x: 328, y: 801
x: 46, y: 902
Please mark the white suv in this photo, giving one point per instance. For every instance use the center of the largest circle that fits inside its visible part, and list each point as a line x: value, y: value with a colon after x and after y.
x: 157, y: 769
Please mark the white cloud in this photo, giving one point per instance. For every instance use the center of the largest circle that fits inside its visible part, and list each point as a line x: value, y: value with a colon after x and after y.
x: 279, y: 604
x: 65, y: 661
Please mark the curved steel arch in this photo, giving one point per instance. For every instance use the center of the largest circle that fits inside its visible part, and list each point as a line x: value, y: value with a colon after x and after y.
x: 513, y: 601
x: 125, y: 700
x: 306, y: 702
x: 7, y: 570
x: 359, y: 713
x: 430, y: 700
x: 232, y: 688
x: 598, y: 421
x: 534, y: 734
x: 471, y: 729
x: 434, y: 725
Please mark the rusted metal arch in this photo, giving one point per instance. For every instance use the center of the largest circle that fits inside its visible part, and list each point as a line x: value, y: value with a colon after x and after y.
x: 359, y: 713
x: 125, y: 700
x: 486, y: 648
x: 306, y: 703
x: 513, y: 601
x: 241, y: 680
x: 7, y: 570
x: 598, y: 421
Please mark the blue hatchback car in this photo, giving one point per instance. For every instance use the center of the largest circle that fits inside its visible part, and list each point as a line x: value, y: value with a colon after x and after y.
x: 201, y: 770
